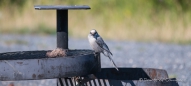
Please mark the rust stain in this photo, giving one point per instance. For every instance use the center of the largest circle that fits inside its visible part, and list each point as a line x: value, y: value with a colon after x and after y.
x: 159, y: 75
x: 11, y: 84
x: 153, y: 74
x: 33, y: 76
x: 19, y: 62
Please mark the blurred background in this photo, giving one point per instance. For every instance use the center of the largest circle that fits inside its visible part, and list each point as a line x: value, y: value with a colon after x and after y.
x: 140, y: 33
x: 139, y: 20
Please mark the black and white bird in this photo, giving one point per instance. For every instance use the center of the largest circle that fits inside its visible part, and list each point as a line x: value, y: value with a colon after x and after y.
x: 99, y: 46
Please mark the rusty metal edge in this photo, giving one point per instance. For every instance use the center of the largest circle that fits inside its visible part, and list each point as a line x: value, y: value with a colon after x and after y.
x: 129, y: 74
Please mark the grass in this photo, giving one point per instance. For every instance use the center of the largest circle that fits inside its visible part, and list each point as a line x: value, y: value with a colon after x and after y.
x: 119, y: 20
x: 10, y: 42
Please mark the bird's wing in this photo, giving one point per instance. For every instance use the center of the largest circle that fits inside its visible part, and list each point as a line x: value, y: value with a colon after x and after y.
x: 102, y: 44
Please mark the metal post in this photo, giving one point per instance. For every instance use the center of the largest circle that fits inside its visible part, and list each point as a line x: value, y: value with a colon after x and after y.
x: 62, y: 29
x: 62, y: 32
x: 62, y: 24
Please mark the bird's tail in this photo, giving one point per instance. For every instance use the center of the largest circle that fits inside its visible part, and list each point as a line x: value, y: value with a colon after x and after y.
x: 107, y: 54
x: 113, y: 62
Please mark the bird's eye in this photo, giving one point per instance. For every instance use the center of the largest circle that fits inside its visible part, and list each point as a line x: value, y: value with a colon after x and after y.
x: 92, y: 33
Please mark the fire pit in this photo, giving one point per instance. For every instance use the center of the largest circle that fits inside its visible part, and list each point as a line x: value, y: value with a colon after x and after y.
x: 75, y: 67
x: 33, y: 65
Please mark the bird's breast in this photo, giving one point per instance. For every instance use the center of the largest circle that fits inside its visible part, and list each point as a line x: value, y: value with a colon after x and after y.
x: 92, y: 40
x: 93, y: 44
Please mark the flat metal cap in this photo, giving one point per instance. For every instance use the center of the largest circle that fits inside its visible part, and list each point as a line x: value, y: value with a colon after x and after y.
x: 61, y: 7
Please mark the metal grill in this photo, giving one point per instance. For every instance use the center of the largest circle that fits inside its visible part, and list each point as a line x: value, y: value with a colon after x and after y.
x: 123, y: 77
x: 82, y: 65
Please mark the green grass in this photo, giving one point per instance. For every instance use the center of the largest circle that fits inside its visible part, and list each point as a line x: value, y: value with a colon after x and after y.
x: 10, y: 42
x: 139, y: 20
x: 41, y: 29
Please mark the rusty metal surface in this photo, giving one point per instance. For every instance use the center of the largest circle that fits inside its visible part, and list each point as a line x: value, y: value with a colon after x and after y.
x: 60, y: 7
x: 19, y: 66
x: 129, y: 74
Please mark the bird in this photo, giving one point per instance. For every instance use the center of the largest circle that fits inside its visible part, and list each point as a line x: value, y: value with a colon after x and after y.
x: 99, y: 46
